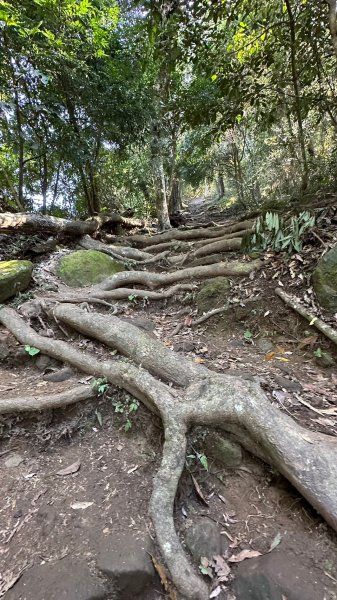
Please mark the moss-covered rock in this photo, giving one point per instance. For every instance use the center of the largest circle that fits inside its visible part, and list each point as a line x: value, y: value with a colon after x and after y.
x: 324, y: 280
x: 213, y: 294
x: 15, y: 276
x: 86, y: 267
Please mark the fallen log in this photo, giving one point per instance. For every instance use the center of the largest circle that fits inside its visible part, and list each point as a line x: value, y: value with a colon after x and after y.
x: 201, y: 397
x: 296, y: 305
x: 35, y: 222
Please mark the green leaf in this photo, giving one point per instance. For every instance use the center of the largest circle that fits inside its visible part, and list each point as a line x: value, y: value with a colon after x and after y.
x: 318, y: 353
x: 214, y: 77
x: 127, y: 425
x: 31, y: 350
x: 248, y: 335
x: 203, y: 460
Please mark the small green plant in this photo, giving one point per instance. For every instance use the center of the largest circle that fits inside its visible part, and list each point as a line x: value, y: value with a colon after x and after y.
x: 318, y: 353
x: 133, y: 298
x: 278, y: 233
x: 248, y: 335
x: 127, y: 408
x: 202, y: 458
x: 31, y: 350
x: 100, y: 385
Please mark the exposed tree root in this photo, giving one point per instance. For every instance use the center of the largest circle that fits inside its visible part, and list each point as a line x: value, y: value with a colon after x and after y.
x: 124, y: 294
x: 182, y: 246
x: 31, y: 403
x: 190, y: 234
x: 153, y: 280
x: 209, y: 314
x: 295, y: 304
x: 126, y: 252
x: 202, y: 397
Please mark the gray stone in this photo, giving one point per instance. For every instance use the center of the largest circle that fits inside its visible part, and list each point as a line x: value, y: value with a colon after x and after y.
x: 142, y: 323
x: 13, y: 461
x: 264, y: 345
x: 222, y: 450
x: 203, y: 539
x: 4, y: 348
x: 86, y: 267
x: 287, y: 384
x: 184, y: 346
x: 59, y: 375
x: 125, y: 559
x: 15, y: 276
x: 43, y: 361
x: 325, y: 360
x: 324, y: 279
x: 67, y: 579
x: 275, y: 576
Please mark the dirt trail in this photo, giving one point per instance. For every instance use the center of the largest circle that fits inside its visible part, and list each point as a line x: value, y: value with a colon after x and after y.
x: 49, y: 519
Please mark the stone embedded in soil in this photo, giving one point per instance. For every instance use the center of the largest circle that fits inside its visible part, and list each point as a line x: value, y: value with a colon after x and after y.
x: 288, y: 384
x: 15, y: 276
x: 184, y: 346
x: 43, y: 361
x: 66, y: 579
x: 213, y: 294
x: 59, y: 375
x: 4, y: 347
x: 86, y: 267
x: 203, y: 539
x: 276, y: 576
x: 222, y: 450
x: 324, y: 279
x: 13, y: 461
x: 126, y: 560
x: 264, y: 345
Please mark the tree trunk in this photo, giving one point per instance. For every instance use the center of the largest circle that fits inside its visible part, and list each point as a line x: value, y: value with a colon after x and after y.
x: 220, y: 185
x: 175, y: 198
x: 305, y: 174
x: 333, y: 24
x: 159, y: 179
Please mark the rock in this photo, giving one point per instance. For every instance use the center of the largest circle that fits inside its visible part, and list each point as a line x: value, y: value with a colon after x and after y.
x: 287, y: 384
x: 183, y: 346
x: 86, y: 267
x: 126, y: 561
x: 325, y: 360
x: 222, y: 450
x: 264, y: 345
x: 43, y: 361
x: 203, y: 539
x: 59, y: 375
x: 142, y: 323
x: 15, y: 276
x: 324, y: 279
x: 67, y: 579
x: 4, y: 347
x: 13, y: 461
x: 213, y: 294
x: 275, y: 576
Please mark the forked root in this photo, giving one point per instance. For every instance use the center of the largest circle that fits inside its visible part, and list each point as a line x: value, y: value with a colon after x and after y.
x: 202, y: 397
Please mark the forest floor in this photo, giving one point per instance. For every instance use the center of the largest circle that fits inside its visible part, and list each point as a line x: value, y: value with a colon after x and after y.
x: 48, y: 517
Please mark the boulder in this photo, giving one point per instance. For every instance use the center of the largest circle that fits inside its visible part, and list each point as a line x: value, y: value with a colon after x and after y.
x: 203, y: 539
x: 67, y: 579
x: 213, y: 294
x: 324, y: 279
x: 126, y: 561
x: 15, y: 276
x: 276, y: 576
x: 87, y: 267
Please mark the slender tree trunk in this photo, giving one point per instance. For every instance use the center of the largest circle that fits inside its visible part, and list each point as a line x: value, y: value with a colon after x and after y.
x: 175, y: 197
x: 159, y: 179
x: 333, y: 24
x: 56, y: 185
x: 220, y: 185
x: 44, y: 182
x: 305, y: 169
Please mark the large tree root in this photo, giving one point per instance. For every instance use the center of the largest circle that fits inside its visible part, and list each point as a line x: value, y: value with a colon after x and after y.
x: 191, y: 234
x: 202, y: 397
x: 296, y: 305
x: 115, y: 251
x: 30, y: 403
x: 100, y: 297
x: 181, y: 246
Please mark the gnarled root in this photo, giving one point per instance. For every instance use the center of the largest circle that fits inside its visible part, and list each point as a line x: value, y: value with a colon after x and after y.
x: 30, y: 403
x: 202, y: 397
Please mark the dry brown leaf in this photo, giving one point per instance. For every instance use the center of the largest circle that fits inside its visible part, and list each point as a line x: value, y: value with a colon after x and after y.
x: 243, y: 555
x: 73, y: 468
x: 168, y: 587
x: 308, y: 341
x: 221, y: 567
x: 188, y: 321
x: 198, y: 490
x: 270, y: 355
